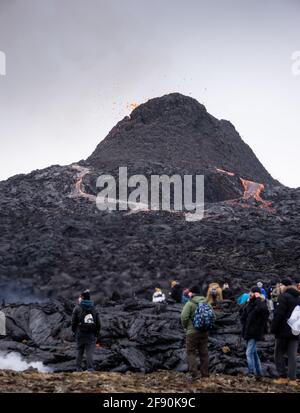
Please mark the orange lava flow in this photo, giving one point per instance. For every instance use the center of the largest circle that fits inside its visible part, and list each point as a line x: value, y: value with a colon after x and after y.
x: 132, y: 105
x: 79, y: 187
x: 253, y: 190
x: 225, y: 172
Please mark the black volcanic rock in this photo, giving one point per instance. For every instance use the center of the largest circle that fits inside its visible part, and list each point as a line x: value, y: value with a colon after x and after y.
x: 56, y: 244
x: 136, y: 335
x: 174, y: 134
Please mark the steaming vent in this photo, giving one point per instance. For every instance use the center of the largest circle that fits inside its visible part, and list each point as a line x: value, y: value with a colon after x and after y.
x: 14, y: 361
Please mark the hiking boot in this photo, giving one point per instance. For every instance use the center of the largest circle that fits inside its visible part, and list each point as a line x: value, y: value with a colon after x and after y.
x: 281, y: 380
x: 293, y: 383
x: 258, y: 378
x: 250, y: 375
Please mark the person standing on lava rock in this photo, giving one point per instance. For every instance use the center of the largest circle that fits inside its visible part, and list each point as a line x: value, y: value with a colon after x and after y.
x: 2, y: 324
x: 86, y: 329
x: 261, y: 287
x: 176, y: 291
x: 254, y: 319
x: 226, y: 292
x: 297, y: 283
x: 158, y: 296
x: 214, y: 293
x: 286, y: 342
x: 196, y: 340
x: 185, y: 296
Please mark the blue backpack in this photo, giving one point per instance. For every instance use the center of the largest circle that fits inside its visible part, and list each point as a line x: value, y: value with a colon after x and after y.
x: 204, y: 317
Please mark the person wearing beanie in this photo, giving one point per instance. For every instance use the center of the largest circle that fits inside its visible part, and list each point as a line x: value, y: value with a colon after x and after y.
x: 185, y: 296
x: 254, y: 320
x: 158, y: 296
x: 196, y: 341
x: 86, y: 328
x: 85, y: 295
x: 226, y: 292
x: 286, y: 343
x: 262, y: 290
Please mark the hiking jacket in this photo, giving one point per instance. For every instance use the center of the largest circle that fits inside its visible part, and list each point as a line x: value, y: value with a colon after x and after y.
x: 282, y: 312
x: 86, y: 305
x: 188, y: 313
x: 158, y: 297
x: 176, y: 293
x: 254, y: 319
x: 263, y: 292
x: 227, y: 294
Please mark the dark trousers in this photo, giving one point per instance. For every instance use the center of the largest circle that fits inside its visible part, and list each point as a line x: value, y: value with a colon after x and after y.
x: 285, y: 347
x: 88, y: 348
x: 196, y: 345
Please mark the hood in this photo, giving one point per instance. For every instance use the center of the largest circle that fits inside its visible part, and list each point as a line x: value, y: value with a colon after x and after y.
x: 293, y: 291
x: 198, y: 299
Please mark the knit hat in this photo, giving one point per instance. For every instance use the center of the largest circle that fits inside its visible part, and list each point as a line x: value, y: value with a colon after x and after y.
x: 85, y: 295
x: 195, y: 290
x: 259, y: 284
x: 255, y: 289
x: 286, y: 282
x: 157, y: 290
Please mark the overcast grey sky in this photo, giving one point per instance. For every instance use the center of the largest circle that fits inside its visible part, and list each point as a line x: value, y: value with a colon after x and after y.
x: 74, y: 66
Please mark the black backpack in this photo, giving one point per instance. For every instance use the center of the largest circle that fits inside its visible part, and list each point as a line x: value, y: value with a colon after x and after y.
x: 87, y: 321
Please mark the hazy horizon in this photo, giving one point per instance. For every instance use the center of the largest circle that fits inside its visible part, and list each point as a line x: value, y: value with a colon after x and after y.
x: 73, y: 68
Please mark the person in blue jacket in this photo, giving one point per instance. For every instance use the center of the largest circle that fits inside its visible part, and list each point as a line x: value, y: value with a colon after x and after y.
x: 185, y: 296
x: 243, y: 298
x: 262, y: 290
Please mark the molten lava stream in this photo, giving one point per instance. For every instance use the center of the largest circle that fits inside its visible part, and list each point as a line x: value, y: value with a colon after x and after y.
x: 78, y: 191
x: 253, y: 190
x: 225, y: 172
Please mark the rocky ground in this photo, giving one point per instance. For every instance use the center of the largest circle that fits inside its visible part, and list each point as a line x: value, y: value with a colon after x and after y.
x: 136, y: 336
x: 52, y: 233
x: 160, y: 381
x: 49, y: 239
x: 55, y: 243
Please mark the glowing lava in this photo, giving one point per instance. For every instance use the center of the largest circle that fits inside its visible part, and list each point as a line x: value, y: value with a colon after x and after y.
x: 253, y: 190
x: 132, y: 105
x: 79, y: 187
x: 225, y: 172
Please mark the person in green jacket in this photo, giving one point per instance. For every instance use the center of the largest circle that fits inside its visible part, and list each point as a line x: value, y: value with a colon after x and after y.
x: 196, y: 341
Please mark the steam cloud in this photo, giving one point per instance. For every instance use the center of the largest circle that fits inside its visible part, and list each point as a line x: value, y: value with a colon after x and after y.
x: 13, y: 361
